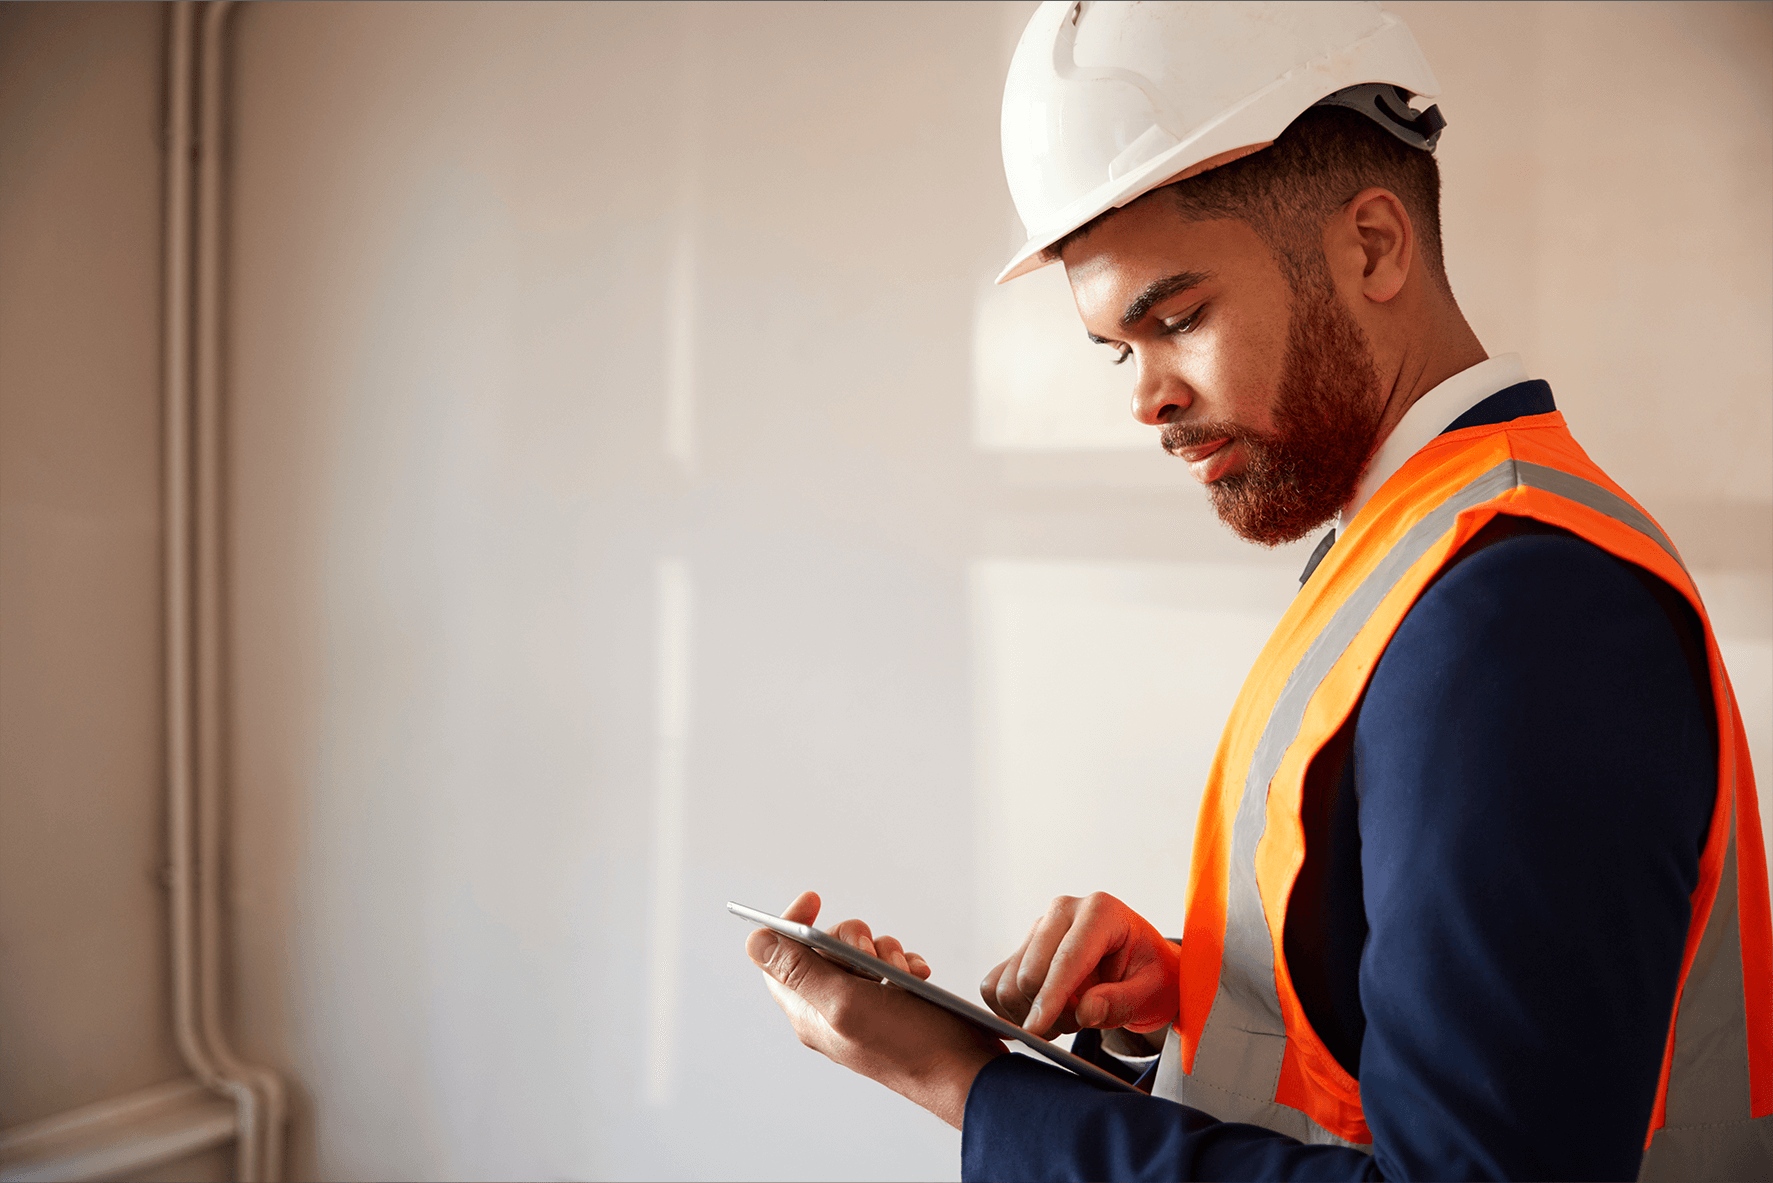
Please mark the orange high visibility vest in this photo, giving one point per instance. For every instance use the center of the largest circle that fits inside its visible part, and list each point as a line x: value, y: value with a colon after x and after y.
x: 1242, y: 1049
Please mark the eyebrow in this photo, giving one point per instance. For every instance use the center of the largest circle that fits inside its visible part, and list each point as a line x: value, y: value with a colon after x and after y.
x: 1159, y: 290
x: 1156, y: 292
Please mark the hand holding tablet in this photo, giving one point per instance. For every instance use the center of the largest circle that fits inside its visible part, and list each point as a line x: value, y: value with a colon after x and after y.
x: 876, y: 969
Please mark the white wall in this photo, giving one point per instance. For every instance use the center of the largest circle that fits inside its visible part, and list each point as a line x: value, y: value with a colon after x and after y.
x: 628, y: 514
x: 623, y: 526
x: 531, y: 302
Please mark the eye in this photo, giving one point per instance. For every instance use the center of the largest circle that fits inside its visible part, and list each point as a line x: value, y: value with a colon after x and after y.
x: 1121, y: 355
x: 1183, y: 324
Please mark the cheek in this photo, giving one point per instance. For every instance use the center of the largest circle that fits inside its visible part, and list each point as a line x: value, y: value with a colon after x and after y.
x: 1234, y: 367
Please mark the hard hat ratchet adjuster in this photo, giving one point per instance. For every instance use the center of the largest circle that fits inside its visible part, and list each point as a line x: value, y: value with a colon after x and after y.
x: 1389, y: 107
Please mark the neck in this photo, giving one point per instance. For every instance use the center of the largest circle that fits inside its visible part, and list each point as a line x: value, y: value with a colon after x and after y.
x: 1439, y: 347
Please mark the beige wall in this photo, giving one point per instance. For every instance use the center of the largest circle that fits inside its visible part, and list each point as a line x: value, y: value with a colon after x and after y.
x: 1608, y: 171
x: 83, y: 966
x: 614, y: 533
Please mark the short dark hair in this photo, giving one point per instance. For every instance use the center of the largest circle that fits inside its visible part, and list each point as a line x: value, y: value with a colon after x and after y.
x: 1286, y: 192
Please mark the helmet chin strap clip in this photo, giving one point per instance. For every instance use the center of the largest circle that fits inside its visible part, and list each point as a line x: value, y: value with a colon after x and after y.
x: 1389, y: 107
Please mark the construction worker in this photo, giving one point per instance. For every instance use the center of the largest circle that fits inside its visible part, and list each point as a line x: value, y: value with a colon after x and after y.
x: 1478, y: 888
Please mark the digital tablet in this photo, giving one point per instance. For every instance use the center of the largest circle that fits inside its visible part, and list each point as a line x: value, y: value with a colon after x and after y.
x: 880, y: 971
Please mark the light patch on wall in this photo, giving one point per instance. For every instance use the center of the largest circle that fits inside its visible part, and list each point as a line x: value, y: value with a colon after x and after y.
x: 670, y: 737
x: 1039, y: 385
x: 1103, y: 688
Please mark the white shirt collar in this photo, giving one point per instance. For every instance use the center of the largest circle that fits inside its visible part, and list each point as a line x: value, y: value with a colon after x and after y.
x: 1427, y: 417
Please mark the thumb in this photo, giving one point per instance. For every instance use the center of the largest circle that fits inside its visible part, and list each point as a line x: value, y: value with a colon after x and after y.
x: 792, y: 964
x: 761, y: 947
x: 1110, y: 1005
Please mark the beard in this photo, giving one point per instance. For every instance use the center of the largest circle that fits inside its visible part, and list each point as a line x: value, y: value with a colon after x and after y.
x: 1326, y: 415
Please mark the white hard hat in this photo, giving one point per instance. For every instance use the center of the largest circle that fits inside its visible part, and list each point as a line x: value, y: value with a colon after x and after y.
x: 1107, y: 101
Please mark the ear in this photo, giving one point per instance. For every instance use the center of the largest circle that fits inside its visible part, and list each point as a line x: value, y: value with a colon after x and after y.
x: 1373, y: 243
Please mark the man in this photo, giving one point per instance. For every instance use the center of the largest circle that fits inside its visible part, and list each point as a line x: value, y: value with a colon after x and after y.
x: 1477, y: 889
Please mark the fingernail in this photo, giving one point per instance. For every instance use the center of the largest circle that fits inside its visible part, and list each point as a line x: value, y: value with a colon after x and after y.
x: 1032, y: 1022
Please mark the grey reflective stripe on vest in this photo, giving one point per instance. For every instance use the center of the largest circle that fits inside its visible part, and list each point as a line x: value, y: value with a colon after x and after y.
x: 1574, y: 488
x: 1237, y: 1063
x: 1708, y: 1133
x: 1199, y: 1093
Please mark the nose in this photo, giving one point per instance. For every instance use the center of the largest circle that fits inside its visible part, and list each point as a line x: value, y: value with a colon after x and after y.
x: 1158, y: 396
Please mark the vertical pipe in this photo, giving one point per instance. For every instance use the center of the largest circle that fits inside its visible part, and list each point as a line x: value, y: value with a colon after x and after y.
x: 260, y: 1091
x: 195, y: 665
x: 175, y: 540
x: 189, y: 878
x: 205, y: 649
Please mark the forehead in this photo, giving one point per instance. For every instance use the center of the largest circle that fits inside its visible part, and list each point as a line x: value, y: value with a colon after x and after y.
x: 1149, y: 241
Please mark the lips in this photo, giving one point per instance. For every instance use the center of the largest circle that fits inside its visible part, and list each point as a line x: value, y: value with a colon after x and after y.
x: 1199, y: 452
x: 1209, y: 461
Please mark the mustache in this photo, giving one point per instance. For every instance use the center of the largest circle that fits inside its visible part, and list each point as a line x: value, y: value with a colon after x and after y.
x: 1177, y: 436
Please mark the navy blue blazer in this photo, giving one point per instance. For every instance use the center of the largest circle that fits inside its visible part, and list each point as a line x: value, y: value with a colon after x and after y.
x: 1488, y: 929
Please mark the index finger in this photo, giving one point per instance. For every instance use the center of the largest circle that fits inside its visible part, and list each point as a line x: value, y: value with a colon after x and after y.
x: 804, y: 909
x: 1079, y: 951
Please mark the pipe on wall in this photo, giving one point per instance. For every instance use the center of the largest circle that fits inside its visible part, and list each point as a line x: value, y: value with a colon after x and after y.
x: 195, y: 574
